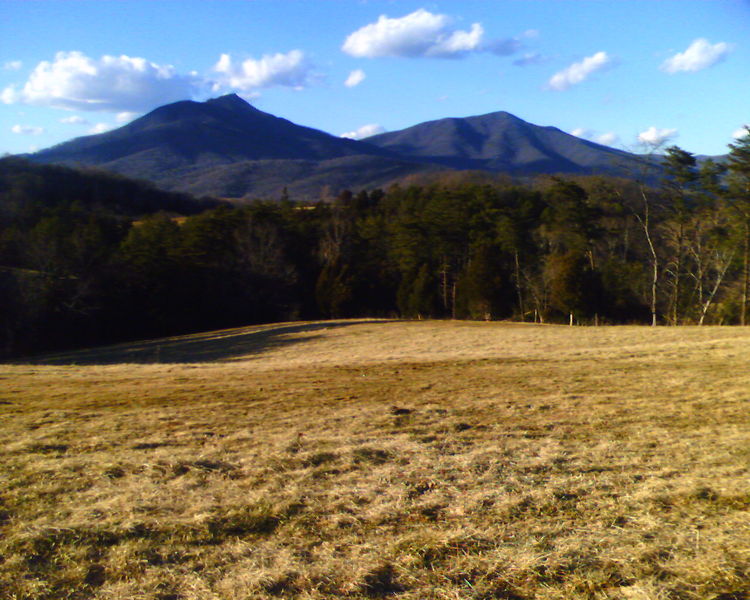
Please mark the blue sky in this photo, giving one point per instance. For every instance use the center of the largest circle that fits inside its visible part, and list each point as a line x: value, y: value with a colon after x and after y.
x: 622, y: 72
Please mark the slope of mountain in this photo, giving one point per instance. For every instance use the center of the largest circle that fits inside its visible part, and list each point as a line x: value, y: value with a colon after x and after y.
x: 502, y: 142
x: 224, y: 130
x: 303, y: 179
x: 225, y: 147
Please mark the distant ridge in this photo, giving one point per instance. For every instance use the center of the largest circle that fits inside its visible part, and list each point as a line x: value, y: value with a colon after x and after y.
x: 500, y: 141
x: 225, y: 147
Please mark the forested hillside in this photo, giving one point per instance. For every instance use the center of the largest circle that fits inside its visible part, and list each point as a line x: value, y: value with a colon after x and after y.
x: 77, y: 272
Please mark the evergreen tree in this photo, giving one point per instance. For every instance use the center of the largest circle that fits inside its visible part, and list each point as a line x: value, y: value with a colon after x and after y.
x: 739, y: 197
x: 681, y: 175
x: 575, y: 288
x: 570, y: 220
x: 335, y: 291
x: 483, y: 288
x: 150, y: 271
x: 417, y: 295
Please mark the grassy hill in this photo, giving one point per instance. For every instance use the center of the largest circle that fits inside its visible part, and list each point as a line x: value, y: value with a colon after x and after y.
x: 371, y: 459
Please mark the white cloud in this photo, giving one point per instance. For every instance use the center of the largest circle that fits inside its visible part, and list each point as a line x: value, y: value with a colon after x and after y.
x: 9, y: 95
x: 75, y: 81
x: 74, y: 120
x: 656, y: 137
x: 579, y: 72
x: 700, y: 55
x: 741, y: 132
x: 13, y: 65
x: 100, y: 128
x: 420, y: 33
x: 286, y: 70
x: 458, y: 42
x: 364, y: 132
x: 125, y: 117
x: 355, y: 78
x: 27, y: 130
x: 608, y: 139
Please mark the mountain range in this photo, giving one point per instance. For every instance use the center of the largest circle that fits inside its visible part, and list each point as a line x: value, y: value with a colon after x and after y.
x: 225, y: 147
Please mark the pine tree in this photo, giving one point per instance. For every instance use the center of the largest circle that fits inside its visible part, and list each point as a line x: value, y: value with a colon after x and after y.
x: 680, y: 168
x: 739, y: 197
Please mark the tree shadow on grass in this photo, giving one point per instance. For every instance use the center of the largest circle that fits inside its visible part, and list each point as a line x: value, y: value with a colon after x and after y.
x: 225, y: 345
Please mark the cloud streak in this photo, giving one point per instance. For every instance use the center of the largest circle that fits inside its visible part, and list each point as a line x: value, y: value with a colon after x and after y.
x: 364, y: 132
x: 701, y: 54
x: 608, y: 139
x: 100, y: 128
x: 27, y: 130
x: 578, y: 72
x: 125, y: 117
x: 529, y: 59
x: 74, y: 120
x: 355, y: 78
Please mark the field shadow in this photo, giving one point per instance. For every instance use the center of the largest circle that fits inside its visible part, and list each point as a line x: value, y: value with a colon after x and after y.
x: 226, y: 345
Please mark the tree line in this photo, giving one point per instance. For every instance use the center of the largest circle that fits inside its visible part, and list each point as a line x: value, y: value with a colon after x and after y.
x: 88, y: 259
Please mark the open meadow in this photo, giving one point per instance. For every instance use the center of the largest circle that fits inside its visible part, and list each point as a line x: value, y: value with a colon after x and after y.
x: 382, y: 459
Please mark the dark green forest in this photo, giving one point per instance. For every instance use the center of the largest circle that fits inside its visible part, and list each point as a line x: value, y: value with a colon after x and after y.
x: 89, y: 258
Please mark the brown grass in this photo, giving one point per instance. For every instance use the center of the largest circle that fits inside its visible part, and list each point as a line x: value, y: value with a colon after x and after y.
x: 376, y: 459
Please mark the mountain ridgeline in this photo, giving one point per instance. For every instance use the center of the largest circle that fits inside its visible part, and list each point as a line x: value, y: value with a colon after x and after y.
x: 502, y: 142
x: 220, y: 131
x: 225, y: 147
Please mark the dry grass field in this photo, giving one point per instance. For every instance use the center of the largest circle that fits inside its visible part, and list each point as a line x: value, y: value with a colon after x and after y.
x: 382, y: 459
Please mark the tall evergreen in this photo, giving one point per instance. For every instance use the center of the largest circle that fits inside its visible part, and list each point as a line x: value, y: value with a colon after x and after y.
x: 681, y: 175
x: 739, y: 198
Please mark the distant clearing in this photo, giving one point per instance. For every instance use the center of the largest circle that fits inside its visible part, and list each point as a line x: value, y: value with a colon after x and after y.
x: 382, y: 459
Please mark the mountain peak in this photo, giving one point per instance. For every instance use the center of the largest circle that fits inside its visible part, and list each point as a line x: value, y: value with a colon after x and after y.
x: 500, y: 141
x: 221, y: 131
x: 229, y: 101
